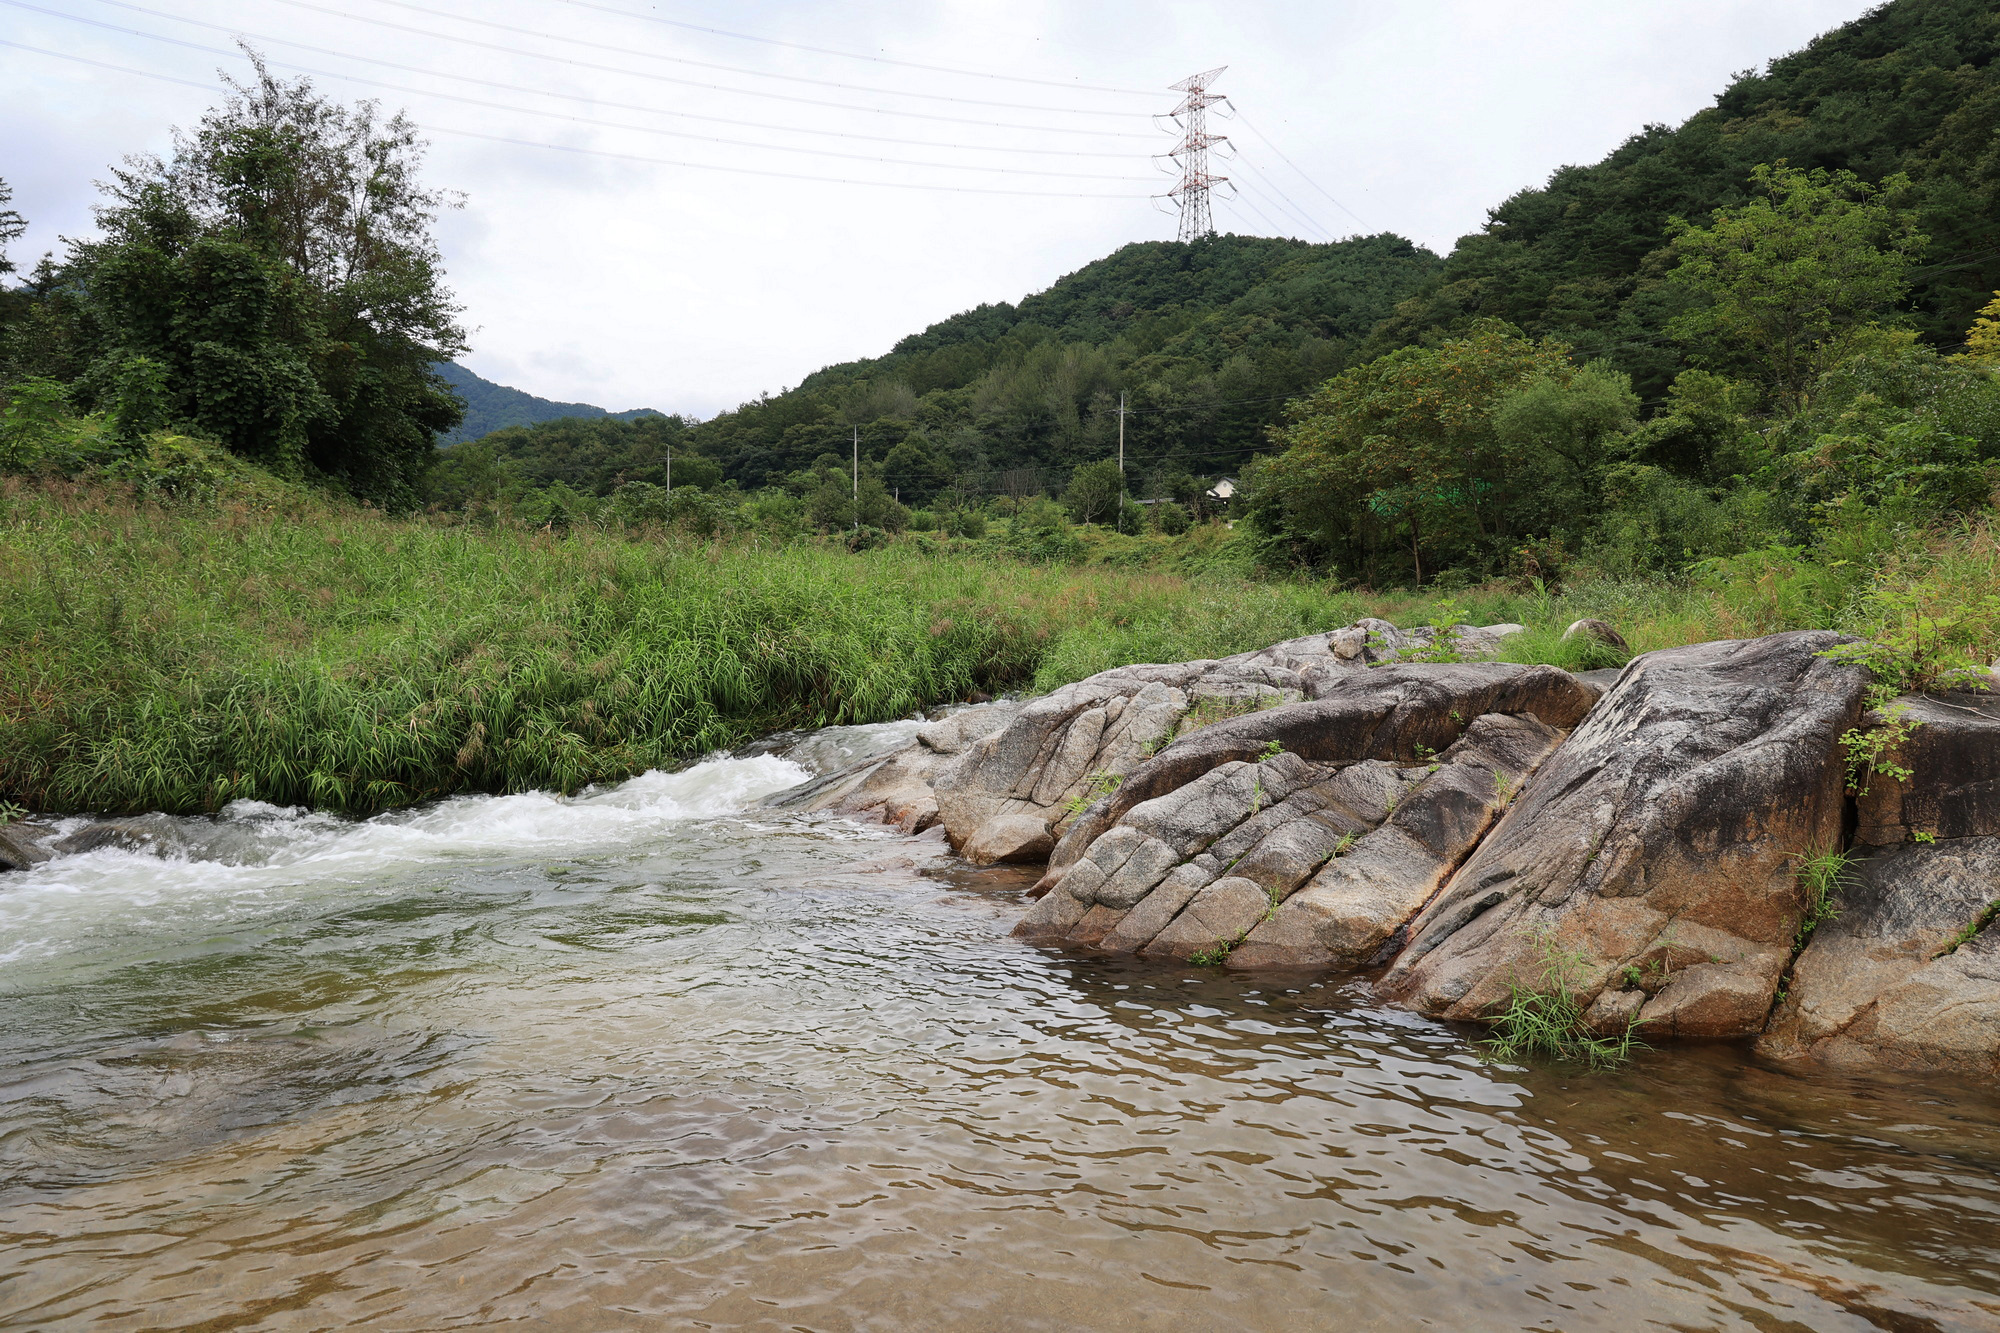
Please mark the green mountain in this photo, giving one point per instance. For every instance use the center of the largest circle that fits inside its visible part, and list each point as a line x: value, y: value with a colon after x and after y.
x: 1910, y: 87
x: 490, y: 406
x: 1207, y: 341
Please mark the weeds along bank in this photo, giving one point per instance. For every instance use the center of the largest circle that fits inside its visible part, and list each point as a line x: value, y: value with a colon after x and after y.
x: 260, y: 640
x: 272, y: 645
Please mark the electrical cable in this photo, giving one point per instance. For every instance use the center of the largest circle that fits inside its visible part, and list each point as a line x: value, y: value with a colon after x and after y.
x: 625, y: 157
x: 412, y: 69
x: 855, y: 55
x: 1284, y: 200
x: 620, y: 106
x: 649, y: 55
x: 1313, y: 231
x: 655, y: 55
x: 1251, y: 126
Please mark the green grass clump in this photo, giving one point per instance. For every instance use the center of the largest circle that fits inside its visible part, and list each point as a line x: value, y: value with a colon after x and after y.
x: 1821, y: 876
x: 1546, y: 1019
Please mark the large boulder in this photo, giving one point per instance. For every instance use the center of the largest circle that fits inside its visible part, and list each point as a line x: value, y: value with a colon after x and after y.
x: 1200, y: 847
x: 1657, y: 849
x: 1907, y: 976
x: 1950, y: 747
x: 1066, y: 749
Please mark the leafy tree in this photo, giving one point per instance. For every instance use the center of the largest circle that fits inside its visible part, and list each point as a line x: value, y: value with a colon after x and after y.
x: 12, y: 224
x: 279, y: 275
x: 1095, y: 491
x: 1404, y: 452
x: 1982, y: 340
x: 1781, y: 282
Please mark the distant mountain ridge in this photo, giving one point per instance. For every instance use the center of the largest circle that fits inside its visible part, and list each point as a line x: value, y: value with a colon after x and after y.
x: 490, y: 407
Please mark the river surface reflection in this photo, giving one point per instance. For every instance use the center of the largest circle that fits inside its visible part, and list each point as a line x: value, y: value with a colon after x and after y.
x: 655, y: 1058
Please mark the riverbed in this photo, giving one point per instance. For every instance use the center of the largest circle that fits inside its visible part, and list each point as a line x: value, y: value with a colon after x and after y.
x: 658, y: 1057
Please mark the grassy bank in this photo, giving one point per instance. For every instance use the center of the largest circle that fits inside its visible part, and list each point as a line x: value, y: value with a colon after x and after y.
x: 273, y: 645
x: 179, y: 656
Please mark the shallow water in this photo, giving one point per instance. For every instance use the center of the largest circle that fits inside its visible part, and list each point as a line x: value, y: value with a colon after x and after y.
x: 655, y: 1058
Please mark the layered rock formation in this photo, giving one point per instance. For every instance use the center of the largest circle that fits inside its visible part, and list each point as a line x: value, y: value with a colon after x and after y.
x: 1332, y: 804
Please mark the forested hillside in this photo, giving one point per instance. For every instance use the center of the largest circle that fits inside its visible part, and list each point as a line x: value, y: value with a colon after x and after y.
x: 490, y: 407
x: 1206, y: 339
x: 1909, y: 89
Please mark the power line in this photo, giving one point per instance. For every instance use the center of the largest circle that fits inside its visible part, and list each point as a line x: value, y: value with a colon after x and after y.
x: 655, y: 55
x: 1249, y: 125
x: 652, y: 55
x: 778, y: 175
x: 1282, y: 203
x: 412, y: 69
x: 854, y: 55
x: 624, y: 157
x: 576, y: 97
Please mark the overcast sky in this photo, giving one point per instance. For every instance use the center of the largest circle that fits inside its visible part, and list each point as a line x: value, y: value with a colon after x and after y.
x: 611, y: 263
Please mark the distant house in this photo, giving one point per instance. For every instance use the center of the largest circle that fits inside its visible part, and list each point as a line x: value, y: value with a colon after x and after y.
x: 1224, y: 489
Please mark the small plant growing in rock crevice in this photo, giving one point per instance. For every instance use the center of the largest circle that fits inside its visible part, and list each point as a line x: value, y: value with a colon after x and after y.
x: 1822, y: 875
x: 1218, y: 953
x: 1984, y: 918
x: 1865, y: 748
x: 1100, y: 784
x: 1546, y: 1018
x: 1444, y: 641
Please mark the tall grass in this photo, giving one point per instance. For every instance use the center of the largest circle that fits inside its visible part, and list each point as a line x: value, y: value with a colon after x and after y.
x: 176, y: 657
x: 273, y: 645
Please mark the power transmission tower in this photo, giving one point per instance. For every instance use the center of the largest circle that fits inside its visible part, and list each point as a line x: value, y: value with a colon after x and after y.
x: 1190, y: 193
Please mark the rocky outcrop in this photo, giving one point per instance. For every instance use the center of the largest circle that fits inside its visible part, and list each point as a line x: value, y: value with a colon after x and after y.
x: 1059, y: 754
x: 1907, y: 976
x: 1202, y: 848
x: 1657, y: 848
x: 1470, y: 826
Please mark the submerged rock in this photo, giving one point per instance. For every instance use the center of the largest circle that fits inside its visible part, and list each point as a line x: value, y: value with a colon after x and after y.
x: 20, y: 846
x: 1660, y: 842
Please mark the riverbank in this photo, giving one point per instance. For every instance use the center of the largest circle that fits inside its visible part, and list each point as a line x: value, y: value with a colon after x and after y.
x: 264, y: 642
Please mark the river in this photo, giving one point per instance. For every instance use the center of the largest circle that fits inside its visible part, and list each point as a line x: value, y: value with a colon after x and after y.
x: 655, y: 1058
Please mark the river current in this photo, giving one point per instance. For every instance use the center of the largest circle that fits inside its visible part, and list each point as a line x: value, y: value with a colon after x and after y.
x: 654, y: 1057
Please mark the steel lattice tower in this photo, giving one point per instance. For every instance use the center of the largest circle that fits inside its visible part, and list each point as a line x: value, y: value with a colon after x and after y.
x: 1190, y: 193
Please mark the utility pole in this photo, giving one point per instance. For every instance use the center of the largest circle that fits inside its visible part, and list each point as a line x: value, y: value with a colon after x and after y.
x: 857, y: 478
x: 1190, y: 194
x: 1121, y: 460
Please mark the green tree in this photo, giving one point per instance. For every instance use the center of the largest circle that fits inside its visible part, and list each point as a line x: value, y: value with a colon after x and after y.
x: 1778, y: 285
x: 279, y: 271
x: 1095, y: 491
x: 1403, y: 453
x: 12, y: 224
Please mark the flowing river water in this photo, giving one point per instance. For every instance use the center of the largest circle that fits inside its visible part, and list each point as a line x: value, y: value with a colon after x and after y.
x: 656, y: 1058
